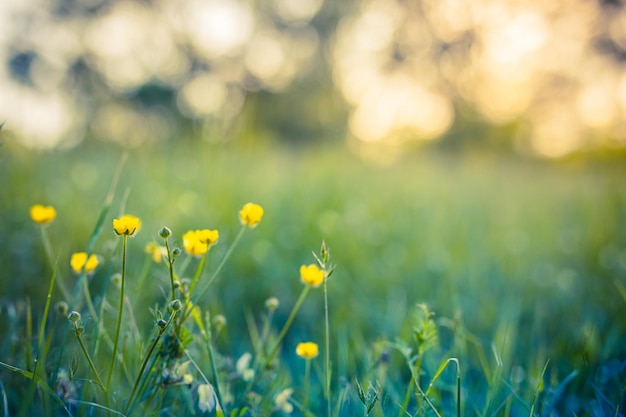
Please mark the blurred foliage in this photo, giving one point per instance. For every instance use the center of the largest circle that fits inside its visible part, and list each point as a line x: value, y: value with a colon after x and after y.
x: 541, y: 78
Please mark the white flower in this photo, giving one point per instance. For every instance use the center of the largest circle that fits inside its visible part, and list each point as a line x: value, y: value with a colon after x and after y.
x: 206, y: 398
x: 281, y: 400
x: 243, y: 367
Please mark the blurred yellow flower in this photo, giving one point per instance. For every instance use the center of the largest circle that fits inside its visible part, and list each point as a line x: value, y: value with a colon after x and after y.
x: 307, y: 350
x: 42, y: 214
x: 126, y: 225
x: 210, y: 237
x: 79, y: 260
x: 156, y: 251
x: 311, y: 275
x: 198, y: 242
x: 251, y: 214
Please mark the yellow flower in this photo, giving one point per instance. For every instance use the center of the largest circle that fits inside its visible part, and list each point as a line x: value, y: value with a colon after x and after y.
x: 157, y: 252
x: 210, y: 237
x: 307, y: 350
x: 251, y: 214
x: 42, y: 214
x: 311, y: 275
x: 198, y: 242
x: 79, y: 260
x: 126, y: 225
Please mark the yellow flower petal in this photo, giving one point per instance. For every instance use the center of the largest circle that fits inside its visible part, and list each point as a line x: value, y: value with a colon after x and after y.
x: 307, y: 350
x: 79, y: 260
x: 126, y: 225
x: 311, y: 275
x: 251, y: 214
x: 210, y: 237
x: 193, y: 245
x: 41, y: 214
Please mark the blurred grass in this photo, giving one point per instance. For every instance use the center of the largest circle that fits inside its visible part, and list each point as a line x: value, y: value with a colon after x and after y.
x: 526, y: 255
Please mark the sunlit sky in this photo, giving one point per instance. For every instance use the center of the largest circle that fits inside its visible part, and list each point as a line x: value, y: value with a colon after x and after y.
x: 403, y: 67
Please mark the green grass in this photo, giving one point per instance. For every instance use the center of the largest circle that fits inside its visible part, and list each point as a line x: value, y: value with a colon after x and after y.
x: 523, y: 264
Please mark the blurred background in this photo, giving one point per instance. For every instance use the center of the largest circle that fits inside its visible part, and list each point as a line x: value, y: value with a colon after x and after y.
x: 466, y: 153
x: 539, y: 78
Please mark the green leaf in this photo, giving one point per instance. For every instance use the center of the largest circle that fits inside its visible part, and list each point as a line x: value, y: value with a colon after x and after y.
x: 371, y: 398
x: 360, y: 392
x: 42, y: 384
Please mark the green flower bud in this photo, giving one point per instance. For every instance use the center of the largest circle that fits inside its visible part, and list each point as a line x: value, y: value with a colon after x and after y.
x: 176, y: 305
x: 62, y: 308
x: 161, y: 323
x: 176, y: 252
x: 74, y: 316
x: 165, y: 232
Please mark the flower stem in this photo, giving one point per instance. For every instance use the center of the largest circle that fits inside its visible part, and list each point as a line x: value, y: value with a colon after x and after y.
x: 307, y: 377
x: 91, y: 364
x: 146, y: 359
x: 290, y: 319
x: 119, y: 315
x: 216, y: 379
x: 49, y: 254
x: 327, y: 359
x: 170, y: 264
x: 216, y: 272
x: 272, y: 353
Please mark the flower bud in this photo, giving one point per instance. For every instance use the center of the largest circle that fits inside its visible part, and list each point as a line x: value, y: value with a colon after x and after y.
x: 272, y: 303
x: 176, y: 305
x: 74, y: 316
x: 161, y: 323
x: 62, y: 308
x: 165, y: 232
x: 219, y: 322
x: 117, y: 279
x: 176, y: 283
x: 175, y: 252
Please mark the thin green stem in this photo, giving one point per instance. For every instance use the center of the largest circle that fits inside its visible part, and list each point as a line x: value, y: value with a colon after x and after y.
x: 199, y: 269
x: 216, y: 379
x: 170, y: 265
x: 272, y: 353
x: 88, y: 300
x: 91, y: 364
x: 146, y: 359
x: 119, y: 315
x: 219, y: 267
x: 327, y: 359
x: 307, y: 377
x: 287, y: 325
x: 53, y: 264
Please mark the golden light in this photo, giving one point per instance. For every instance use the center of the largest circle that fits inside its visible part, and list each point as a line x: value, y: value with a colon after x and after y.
x: 202, y: 95
x: 297, y: 12
x: 217, y: 27
x: 130, y: 44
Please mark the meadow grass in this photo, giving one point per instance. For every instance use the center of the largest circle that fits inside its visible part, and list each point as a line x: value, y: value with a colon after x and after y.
x: 463, y: 286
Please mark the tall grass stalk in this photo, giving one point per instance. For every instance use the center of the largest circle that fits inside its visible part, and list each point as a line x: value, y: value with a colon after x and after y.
x: 162, y: 329
x: 119, y: 314
x: 78, y: 330
x: 327, y: 350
